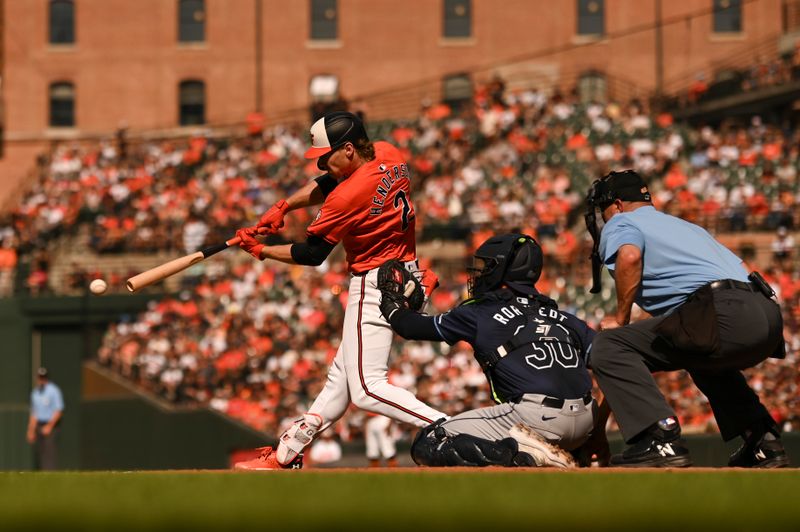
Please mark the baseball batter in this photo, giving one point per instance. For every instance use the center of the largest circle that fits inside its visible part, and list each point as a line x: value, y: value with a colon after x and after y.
x: 366, y: 205
x: 533, y: 355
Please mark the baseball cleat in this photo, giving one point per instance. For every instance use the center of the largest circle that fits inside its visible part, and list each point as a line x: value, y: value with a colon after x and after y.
x: 544, y: 454
x: 766, y: 452
x: 653, y: 452
x: 658, y: 446
x: 297, y: 437
x: 268, y: 461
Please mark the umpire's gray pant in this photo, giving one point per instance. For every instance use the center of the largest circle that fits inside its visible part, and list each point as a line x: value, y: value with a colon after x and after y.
x: 568, y: 426
x: 750, y: 329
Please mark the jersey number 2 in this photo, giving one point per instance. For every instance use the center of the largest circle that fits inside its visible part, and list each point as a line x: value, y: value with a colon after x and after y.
x: 400, y: 198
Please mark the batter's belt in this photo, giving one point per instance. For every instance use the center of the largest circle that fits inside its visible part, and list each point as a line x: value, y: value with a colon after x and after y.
x: 411, y: 265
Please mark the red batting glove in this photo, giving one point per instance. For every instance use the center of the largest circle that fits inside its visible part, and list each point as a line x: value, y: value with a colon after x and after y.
x: 430, y: 281
x: 249, y: 242
x: 272, y: 220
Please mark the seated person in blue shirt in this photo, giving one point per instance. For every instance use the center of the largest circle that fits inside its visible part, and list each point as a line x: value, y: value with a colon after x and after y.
x: 533, y: 355
x: 709, y: 317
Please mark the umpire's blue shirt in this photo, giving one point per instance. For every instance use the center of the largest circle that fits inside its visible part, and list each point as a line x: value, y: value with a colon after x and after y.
x: 678, y: 257
x: 46, y: 401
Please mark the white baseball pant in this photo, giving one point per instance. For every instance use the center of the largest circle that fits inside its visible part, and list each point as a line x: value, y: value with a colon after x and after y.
x: 359, y: 372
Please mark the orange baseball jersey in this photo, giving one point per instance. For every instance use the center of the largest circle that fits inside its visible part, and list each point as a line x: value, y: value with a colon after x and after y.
x: 371, y: 212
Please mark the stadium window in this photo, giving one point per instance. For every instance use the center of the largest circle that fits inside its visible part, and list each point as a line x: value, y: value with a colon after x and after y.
x: 727, y: 16
x: 191, y: 20
x: 192, y: 103
x: 457, y: 90
x: 325, y: 97
x: 324, y: 88
x: 62, y: 104
x: 62, y: 22
x: 591, y: 17
x: 592, y: 87
x: 324, y: 20
x: 457, y: 19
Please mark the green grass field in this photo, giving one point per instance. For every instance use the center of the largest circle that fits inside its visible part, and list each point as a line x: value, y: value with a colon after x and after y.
x: 409, y: 500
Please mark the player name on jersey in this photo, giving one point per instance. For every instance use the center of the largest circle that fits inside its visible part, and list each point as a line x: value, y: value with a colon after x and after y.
x: 394, y: 174
x: 509, y: 312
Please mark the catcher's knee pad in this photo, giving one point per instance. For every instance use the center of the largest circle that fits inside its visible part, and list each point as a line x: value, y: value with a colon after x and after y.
x: 434, y: 448
x: 300, y: 434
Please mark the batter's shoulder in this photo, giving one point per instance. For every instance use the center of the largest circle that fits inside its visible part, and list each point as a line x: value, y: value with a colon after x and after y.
x: 386, y: 152
x: 340, y: 197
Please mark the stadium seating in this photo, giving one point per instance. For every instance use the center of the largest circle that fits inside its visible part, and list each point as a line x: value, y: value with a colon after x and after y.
x: 237, y: 342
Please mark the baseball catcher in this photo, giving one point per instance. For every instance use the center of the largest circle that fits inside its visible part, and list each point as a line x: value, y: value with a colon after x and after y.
x: 532, y: 353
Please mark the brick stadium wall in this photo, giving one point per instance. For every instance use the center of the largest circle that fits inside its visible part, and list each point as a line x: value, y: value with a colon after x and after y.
x: 126, y: 62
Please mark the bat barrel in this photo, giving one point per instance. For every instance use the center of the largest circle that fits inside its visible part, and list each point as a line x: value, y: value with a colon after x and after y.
x: 172, y: 267
x: 159, y: 273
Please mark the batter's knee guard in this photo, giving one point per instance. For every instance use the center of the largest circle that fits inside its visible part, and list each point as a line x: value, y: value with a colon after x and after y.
x: 434, y: 448
x: 300, y: 434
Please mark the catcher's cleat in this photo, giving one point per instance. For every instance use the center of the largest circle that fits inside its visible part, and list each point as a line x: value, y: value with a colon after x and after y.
x: 544, y: 454
x: 268, y: 461
x: 659, y: 446
x: 766, y: 452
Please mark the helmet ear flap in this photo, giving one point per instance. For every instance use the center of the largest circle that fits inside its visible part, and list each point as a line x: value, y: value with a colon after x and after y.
x: 526, y: 261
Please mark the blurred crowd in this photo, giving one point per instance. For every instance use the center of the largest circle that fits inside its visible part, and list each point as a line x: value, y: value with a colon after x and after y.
x: 508, y: 158
x: 254, y: 340
x: 766, y: 71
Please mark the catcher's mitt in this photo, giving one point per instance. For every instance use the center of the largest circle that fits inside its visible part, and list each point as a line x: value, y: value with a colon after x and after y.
x: 397, y: 283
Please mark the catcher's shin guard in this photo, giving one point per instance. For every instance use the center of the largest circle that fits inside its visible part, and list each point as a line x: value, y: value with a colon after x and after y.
x: 299, y: 435
x: 434, y: 448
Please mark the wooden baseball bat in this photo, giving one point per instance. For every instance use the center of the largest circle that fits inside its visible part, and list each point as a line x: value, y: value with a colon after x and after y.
x: 172, y: 267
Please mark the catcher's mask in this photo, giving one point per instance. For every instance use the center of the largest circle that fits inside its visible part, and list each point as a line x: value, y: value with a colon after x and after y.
x: 502, y: 259
x: 627, y: 186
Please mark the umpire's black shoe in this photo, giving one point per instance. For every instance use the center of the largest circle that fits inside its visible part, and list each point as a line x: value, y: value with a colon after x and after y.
x: 661, y: 446
x: 766, y: 452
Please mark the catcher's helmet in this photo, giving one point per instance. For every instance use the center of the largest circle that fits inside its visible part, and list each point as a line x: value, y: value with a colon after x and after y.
x: 511, y: 258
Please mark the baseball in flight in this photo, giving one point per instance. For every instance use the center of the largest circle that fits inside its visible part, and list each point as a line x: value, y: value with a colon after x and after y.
x: 98, y: 286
